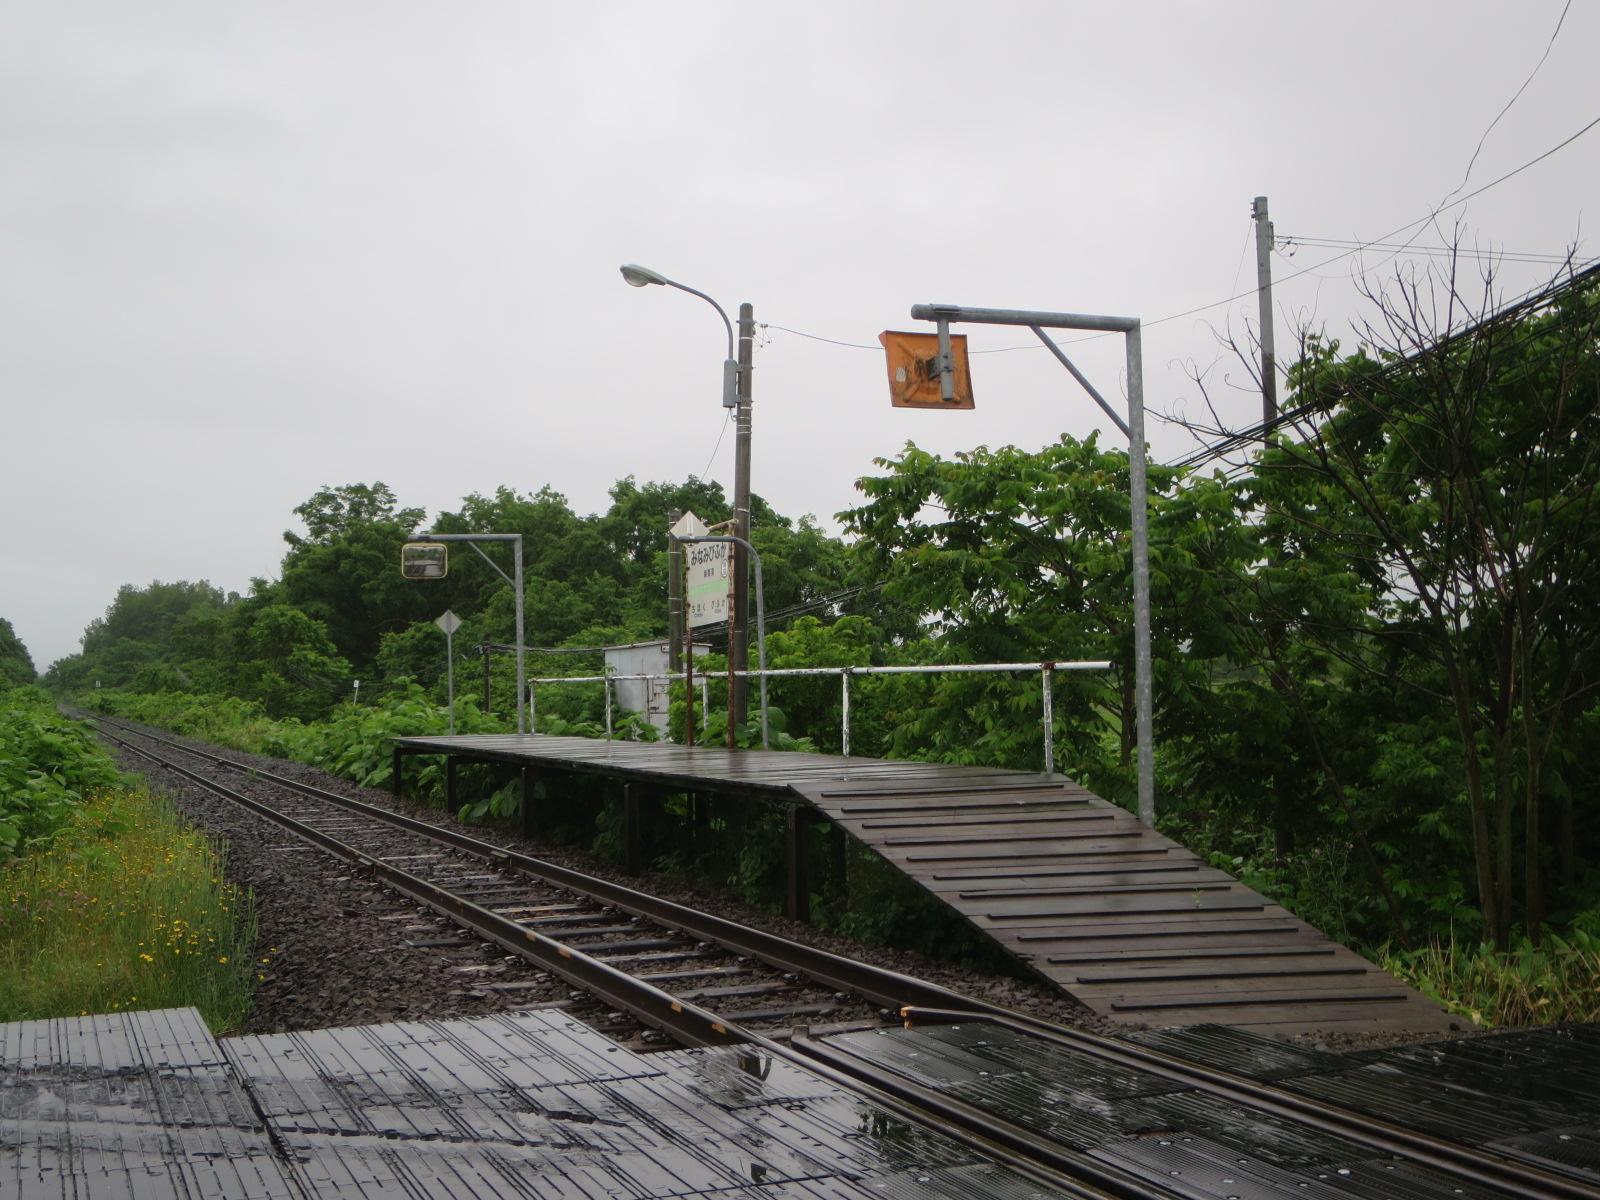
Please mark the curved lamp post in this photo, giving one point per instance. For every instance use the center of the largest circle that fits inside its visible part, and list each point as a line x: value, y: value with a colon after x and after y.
x: 638, y: 276
x: 736, y: 372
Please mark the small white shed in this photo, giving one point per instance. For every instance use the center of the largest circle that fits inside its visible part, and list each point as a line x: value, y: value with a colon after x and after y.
x: 648, y: 696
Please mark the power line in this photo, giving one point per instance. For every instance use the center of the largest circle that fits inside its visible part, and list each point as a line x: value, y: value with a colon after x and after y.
x: 1308, y: 270
x: 817, y: 337
x: 1291, y: 241
x: 1258, y: 431
x: 727, y: 418
x: 1478, y: 149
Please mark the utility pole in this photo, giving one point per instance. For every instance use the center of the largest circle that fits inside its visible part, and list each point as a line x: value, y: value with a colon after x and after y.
x: 1269, y: 359
x: 739, y: 639
x: 674, y: 595
x: 1282, y: 828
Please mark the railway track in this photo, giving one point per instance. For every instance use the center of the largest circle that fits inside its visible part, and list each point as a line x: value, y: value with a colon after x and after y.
x: 591, y: 934
x: 647, y: 970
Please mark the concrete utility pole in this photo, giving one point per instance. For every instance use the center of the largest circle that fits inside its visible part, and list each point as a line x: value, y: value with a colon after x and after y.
x: 739, y: 637
x: 1282, y: 828
x: 1269, y: 359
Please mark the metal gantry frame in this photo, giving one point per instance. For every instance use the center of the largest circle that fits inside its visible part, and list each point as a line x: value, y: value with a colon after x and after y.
x: 516, y: 586
x: 945, y: 315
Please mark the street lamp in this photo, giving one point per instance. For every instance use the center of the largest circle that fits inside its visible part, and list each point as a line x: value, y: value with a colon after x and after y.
x: 735, y: 395
x: 638, y: 276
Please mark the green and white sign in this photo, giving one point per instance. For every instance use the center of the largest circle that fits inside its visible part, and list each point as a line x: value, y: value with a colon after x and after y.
x: 706, y: 596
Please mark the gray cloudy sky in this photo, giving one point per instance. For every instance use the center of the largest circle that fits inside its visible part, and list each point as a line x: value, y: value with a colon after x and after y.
x: 248, y: 249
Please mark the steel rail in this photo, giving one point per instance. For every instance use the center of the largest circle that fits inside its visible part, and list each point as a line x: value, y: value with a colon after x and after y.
x: 921, y: 1000
x: 1454, y: 1158
x: 689, y: 1023
x: 1013, y: 1137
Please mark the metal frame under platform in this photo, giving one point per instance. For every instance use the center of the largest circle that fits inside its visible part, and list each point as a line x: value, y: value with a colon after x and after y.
x: 1125, y: 920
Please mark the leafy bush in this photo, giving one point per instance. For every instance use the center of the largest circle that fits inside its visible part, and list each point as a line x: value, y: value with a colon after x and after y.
x: 47, y: 764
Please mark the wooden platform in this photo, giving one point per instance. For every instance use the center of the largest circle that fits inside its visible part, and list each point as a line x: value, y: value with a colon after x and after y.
x: 1127, y: 921
x: 526, y: 1106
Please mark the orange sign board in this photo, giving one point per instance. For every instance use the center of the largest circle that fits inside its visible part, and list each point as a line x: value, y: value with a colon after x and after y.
x: 914, y: 370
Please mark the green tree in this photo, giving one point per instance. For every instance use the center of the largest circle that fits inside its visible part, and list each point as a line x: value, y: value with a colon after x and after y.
x: 1452, y: 466
x: 345, y: 572
x: 16, y: 664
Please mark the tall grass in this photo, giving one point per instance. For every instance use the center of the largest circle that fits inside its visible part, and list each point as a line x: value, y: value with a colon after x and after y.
x: 1557, y: 980
x: 125, y: 909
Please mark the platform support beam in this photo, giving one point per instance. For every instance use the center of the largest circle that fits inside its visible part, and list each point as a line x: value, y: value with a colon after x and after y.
x: 797, y: 899
x: 839, y: 866
x: 633, y: 835
x: 451, y: 800
x: 528, y: 783
x: 397, y: 781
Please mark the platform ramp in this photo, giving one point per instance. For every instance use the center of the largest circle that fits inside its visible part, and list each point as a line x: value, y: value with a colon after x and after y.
x: 1127, y: 921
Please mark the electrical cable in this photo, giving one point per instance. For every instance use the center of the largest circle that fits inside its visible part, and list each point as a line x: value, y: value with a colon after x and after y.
x: 1291, y: 241
x: 1478, y: 149
x: 727, y: 419
x: 1190, y: 312
x: 1528, y: 303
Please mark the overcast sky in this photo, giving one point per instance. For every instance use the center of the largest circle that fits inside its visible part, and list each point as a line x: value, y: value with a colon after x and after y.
x: 249, y: 249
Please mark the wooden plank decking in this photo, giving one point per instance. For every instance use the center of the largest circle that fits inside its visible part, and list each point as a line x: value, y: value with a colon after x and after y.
x: 1127, y: 921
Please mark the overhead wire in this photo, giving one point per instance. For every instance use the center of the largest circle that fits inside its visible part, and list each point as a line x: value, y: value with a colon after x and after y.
x: 1515, y: 96
x: 1291, y: 241
x: 1295, y: 274
x: 727, y: 419
x: 1237, y: 439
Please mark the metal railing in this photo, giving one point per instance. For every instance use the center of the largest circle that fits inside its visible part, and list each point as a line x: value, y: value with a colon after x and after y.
x: 1046, y: 671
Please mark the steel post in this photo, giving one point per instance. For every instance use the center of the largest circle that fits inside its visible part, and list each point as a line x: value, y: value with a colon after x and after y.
x: 522, y: 640
x: 844, y: 708
x: 1139, y: 497
x: 1046, y: 677
x: 450, y: 675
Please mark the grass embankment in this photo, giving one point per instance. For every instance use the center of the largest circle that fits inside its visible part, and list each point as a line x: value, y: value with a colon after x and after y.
x: 108, y: 902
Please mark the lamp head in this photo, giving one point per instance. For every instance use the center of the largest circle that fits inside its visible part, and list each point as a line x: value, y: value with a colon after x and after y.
x: 638, y: 276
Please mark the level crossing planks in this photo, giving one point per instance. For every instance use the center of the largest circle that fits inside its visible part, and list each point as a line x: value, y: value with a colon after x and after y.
x: 1126, y: 920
